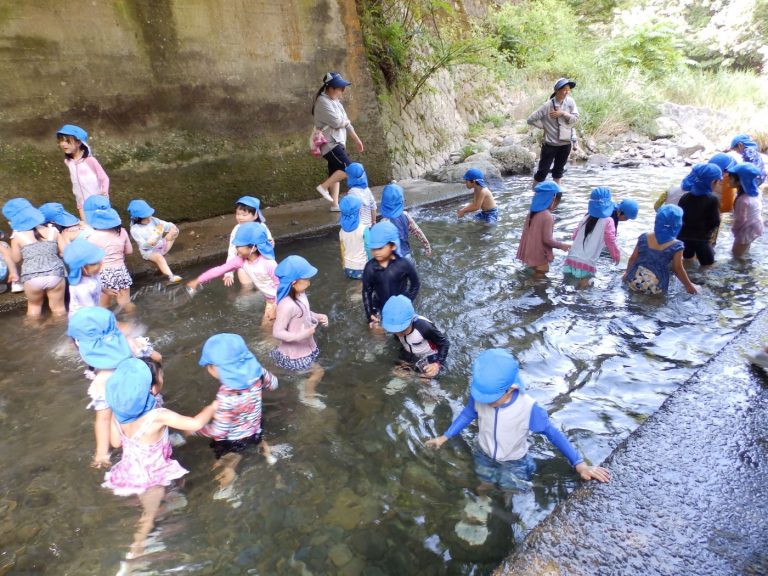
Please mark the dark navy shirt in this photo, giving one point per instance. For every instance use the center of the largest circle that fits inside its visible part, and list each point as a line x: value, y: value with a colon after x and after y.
x: 379, y: 284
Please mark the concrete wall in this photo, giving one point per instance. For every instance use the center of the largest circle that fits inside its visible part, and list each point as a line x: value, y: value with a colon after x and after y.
x: 189, y: 103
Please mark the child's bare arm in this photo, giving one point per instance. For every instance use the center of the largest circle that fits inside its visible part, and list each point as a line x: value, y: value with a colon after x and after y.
x: 682, y: 275
x: 114, y: 436
x: 187, y: 423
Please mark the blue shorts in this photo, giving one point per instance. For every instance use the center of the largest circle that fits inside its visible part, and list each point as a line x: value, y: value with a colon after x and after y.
x: 512, y: 474
x: 353, y: 274
x: 488, y: 216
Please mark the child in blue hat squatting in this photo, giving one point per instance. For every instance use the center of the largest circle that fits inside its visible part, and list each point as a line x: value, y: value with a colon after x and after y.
x: 482, y: 199
x: 424, y: 347
x: 505, y: 414
x: 153, y: 236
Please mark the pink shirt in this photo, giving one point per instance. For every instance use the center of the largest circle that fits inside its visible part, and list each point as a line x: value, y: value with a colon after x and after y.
x: 115, y: 246
x: 88, y: 178
x: 293, y: 319
x: 537, y: 243
x: 261, y: 272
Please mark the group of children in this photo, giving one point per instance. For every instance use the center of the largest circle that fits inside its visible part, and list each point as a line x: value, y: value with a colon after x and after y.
x: 90, y: 251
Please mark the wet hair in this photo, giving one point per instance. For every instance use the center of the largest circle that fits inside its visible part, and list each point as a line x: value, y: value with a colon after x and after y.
x: 72, y: 140
x: 589, y: 227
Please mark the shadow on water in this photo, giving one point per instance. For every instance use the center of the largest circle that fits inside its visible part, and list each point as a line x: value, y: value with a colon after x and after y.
x: 355, y: 486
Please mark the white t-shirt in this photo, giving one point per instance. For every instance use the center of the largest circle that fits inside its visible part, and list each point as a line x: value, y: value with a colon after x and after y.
x: 369, y: 204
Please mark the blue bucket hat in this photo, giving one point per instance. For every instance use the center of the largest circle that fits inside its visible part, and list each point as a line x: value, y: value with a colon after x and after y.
x: 476, y: 175
x: 140, y: 209
x: 744, y: 139
x: 350, y: 213
x: 54, y: 212
x: 628, y: 207
x: 22, y: 215
x: 723, y: 161
x: 600, y: 205
x: 103, y: 219
x: 129, y: 390
x: 95, y: 202
x: 356, y: 176
x: 335, y: 80
x: 249, y: 201
x: 562, y: 82
x: 254, y: 234
x: 397, y: 314
x: 237, y: 366
x: 749, y: 177
x: 392, y: 201
x: 543, y: 195
x: 289, y: 270
x: 493, y: 373
x: 100, y: 342
x: 699, y: 180
x: 72, y: 130
x: 79, y: 253
x: 383, y: 233
x: 669, y: 221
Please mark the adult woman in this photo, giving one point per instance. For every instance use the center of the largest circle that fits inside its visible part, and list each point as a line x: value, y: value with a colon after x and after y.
x: 556, y: 117
x: 332, y: 120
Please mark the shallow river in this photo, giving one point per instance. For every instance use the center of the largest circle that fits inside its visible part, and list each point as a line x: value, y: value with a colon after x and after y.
x: 355, y: 490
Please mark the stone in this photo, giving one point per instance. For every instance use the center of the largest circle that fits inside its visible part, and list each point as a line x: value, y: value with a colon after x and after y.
x: 349, y: 510
x: 455, y: 172
x: 690, y: 149
x: 671, y: 153
x: 597, y: 160
x: 415, y: 476
x: 340, y: 554
x: 478, y: 157
x: 513, y: 159
x: 665, y: 127
x: 370, y: 544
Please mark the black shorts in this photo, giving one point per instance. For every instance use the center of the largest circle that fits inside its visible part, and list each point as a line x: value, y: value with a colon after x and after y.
x: 222, y: 447
x: 549, y: 154
x: 337, y: 159
x: 702, y: 249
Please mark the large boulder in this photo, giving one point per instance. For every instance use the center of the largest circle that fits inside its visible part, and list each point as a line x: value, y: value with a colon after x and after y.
x: 513, y: 159
x: 455, y: 172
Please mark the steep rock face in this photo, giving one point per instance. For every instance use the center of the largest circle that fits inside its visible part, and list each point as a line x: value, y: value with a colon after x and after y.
x: 188, y: 104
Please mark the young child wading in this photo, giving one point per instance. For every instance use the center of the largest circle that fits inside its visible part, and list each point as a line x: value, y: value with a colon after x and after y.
x: 482, y: 199
x: 537, y: 243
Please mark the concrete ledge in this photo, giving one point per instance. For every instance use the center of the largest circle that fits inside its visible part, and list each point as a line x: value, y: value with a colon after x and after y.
x: 207, y: 240
x: 689, y: 493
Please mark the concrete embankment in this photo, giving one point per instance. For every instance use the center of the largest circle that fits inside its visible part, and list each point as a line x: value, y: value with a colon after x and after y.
x: 207, y: 240
x: 689, y: 493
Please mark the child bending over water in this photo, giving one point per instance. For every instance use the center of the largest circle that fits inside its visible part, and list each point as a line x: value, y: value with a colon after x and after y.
x: 537, y: 243
x: 505, y: 415
x: 247, y: 209
x: 482, y: 199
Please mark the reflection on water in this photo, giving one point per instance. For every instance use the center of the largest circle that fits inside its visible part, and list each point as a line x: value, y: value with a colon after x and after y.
x: 355, y: 488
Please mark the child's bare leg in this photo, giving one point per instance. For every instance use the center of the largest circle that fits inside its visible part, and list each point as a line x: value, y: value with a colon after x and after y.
x: 150, y: 504
x: 228, y: 464
x: 540, y: 271
x: 245, y: 280
x: 124, y: 300
x: 270, y: 311
x: 56, y: 299
x: 35, y: 299
x: 159, y: 260
x: 101, y: 426
x: 170, y: 238
x: 315, y: 375
x: 584, y: 283
x: 739, y: 250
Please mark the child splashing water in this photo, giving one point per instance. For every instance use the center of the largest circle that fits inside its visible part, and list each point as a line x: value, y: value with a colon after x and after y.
x: 256, y: 258
x: 648, y: 267
x: 153, y: 236
x: 595, y: 232
x: 295, y: 326
x: 247, y: 209
x: 87, y: 175
x: 237, y: 421
x: 537, y: 243
x: 109, y: 235
x: 140, y: 427
x: 747, y: 208
x: 83, y: 261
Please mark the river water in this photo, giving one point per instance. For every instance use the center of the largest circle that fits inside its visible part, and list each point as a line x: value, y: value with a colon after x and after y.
x: 355, y: 491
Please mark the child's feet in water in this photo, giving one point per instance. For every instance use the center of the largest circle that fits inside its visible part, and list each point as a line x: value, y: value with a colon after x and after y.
x: 99, y: 462
x: 174, y: 279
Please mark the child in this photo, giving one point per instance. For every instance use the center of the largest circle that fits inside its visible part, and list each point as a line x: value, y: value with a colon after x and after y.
x: 256, y: 258
x: 625, y: 210
x: 393, y: 210
x: 505, y: 414
x: 236, y: 424
x: 36, y: 247
x: 425, y: 348
x: 69, y: 226
x: 701, y: 213
x: 153, y: 236
x: 353, y: 237
x: 595, y: 232
x: 109, y: 235
x: 387, y: 274
x: 83, y: 261
x: 102, y: 347
x: 747, y: 208
x: 482, y: 200
x: 537, y: 243
x: 87, y: 175
x: 750, y: 152
x: 726, y: 192
x: 648, y: 267
x: 295, y: 326
x: 357, y: 181
x: 8, y: 272
x: 140, y: 427
x: 246, y: 210
x: 93, y: 203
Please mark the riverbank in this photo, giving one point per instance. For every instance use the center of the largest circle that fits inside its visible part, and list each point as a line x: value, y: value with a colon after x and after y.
x: 689, y: 488
x: 207, y: 240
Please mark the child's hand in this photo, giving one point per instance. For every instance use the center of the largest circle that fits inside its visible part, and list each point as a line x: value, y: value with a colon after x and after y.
x: 270, y: 312
x: 459, y: 213
x: 229, y: 279
x: 429, y: 253
x: 436, y: 442
x: 110, y: 291
x: 692, y: 289
x: 593, y: 472
x: 566, y: 247
x: 310, y: 331
x: 432, y: 370
x: 322, y: 318
x: 193, y: 284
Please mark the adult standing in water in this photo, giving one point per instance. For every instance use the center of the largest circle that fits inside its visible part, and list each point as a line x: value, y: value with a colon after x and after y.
x: 557, y: 117
x: 331, y: 119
